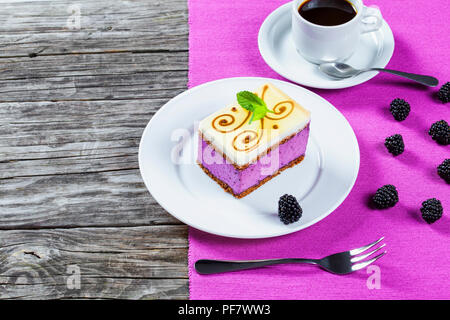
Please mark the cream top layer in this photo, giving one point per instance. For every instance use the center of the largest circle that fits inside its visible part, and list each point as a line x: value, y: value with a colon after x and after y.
x: 230, y: 132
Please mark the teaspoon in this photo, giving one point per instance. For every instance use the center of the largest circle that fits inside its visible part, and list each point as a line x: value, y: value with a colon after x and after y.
x: 342, y: 70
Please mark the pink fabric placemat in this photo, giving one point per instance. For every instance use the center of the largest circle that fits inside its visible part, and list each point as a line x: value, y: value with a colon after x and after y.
x: 223, y: 43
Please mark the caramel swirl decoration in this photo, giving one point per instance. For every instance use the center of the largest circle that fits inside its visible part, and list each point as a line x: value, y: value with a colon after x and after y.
x: 281, y: 110
x: 245, y: 140
x: 223, y: 123
x: 249, y: 139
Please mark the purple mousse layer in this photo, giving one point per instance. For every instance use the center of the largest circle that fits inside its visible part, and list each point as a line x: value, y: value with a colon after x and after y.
x: 269, y: 164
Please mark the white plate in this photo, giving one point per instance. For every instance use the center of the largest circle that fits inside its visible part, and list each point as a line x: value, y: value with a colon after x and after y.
x: 277, y: 48
x: 320, y: 182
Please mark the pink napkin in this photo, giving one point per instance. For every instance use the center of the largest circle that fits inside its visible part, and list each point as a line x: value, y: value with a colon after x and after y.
x: 223, y: 43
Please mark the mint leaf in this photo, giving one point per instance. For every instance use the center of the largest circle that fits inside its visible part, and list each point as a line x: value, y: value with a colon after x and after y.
x: 259, y: 113
x: 251, y: 102
x: 248, y: 100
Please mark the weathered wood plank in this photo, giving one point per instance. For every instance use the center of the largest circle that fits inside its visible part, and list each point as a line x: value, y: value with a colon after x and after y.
x: 131, y: 263
x: 42, y: 26
x: 71, y: 137
x: 114, y: 198
x: 73, y: 104
x: 102, y: 64
x: 76, y: 137
x: 93, y: 77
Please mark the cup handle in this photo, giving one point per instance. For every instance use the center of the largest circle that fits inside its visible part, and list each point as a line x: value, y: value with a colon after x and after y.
x: 371, y: 19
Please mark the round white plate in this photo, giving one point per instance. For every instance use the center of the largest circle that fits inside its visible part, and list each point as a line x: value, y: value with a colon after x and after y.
x: 277, y: 48
x: 321, y: 182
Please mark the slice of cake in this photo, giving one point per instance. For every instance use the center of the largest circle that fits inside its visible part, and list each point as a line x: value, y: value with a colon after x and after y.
x: 243, y: 146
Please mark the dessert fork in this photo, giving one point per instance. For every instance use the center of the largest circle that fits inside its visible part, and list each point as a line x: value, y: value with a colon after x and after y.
x: 338, y: 263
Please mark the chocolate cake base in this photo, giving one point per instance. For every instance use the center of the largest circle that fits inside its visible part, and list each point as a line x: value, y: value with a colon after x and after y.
x: 228, y: 189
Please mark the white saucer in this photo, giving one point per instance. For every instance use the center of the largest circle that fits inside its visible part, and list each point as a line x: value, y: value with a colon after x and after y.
x: 320, y: 182
x: 277, y: 49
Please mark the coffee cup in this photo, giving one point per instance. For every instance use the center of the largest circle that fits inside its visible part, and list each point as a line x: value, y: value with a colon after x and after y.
x: 319, y: 43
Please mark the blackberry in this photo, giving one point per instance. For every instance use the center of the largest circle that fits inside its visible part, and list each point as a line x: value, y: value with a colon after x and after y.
x: 400, y: 109
x: 444, y: 93
x: 289, y: 210
x: 443, y: 170
x: 440, y: 132
x: 385, y: 197
x: 431, y: 210
x: 395, y: 144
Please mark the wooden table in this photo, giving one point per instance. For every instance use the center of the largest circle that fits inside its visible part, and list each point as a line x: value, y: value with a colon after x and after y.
x: 76, y: 220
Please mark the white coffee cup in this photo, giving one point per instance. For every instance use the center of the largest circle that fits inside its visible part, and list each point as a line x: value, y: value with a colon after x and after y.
x: 318, y: 44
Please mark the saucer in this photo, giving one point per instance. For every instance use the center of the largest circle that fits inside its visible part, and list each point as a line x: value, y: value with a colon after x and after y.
x: 375, y: 49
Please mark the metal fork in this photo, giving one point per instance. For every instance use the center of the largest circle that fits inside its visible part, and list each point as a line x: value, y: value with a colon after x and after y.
x: 339, y: 263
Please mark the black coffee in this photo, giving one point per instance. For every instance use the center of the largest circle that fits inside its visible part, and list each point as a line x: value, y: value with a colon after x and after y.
x: 327, y: 12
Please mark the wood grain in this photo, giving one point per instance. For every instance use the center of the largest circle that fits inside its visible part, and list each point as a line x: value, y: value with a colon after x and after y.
x: 73, y: 106
x: 41, y: 26
x: 93, y: 77
x: 141, y: 262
